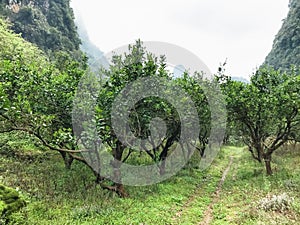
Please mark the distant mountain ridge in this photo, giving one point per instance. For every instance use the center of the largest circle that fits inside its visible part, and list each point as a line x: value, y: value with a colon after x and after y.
x: 241, y: 79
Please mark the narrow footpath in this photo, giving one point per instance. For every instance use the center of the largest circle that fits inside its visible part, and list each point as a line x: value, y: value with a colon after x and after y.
x: 208, y: 214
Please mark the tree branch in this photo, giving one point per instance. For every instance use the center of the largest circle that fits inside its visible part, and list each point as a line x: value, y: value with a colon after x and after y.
x: 45, y: 143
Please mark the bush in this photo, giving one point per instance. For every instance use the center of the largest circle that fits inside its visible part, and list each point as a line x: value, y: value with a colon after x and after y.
x: 279, y: 203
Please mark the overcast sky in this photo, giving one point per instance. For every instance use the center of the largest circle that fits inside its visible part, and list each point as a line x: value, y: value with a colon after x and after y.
x: 240, y: 30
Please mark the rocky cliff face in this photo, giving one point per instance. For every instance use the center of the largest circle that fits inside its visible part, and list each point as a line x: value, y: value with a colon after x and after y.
x: 286, y: 46
x: 47, y: 23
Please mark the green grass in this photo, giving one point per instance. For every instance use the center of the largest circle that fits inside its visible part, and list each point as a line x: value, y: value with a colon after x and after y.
x: 58, y: 196
x: 247, y: 183
x: 55, y: 195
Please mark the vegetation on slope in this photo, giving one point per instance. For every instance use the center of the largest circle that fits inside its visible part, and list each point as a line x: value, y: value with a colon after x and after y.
x: 47, y: 23
x: 286, y: 47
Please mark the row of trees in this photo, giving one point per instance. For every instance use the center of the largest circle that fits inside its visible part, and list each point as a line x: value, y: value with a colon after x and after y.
x: 37, y: 97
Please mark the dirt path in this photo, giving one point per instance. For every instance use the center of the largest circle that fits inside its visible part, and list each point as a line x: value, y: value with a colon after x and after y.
x: 209, y: 212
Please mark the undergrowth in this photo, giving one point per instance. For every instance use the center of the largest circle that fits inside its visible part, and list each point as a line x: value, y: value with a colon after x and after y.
x: 55, y: 195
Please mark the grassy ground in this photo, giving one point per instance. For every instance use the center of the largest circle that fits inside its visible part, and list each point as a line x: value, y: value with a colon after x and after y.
x: 58, y: 196
x: 245, y: 186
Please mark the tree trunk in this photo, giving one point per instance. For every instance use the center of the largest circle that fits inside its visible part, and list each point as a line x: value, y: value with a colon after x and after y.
x: 117, y: 162
x: 68, y: 159
x: 121, y: 191
x: 162, y: 168
x: 260, y: 152
x: 267, y: 159
x: 99, y: 178
x: 163, y: 155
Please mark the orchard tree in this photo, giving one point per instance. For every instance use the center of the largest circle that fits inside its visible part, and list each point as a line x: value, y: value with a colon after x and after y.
x: 265, y: 111
x: 154, y: 127
x: 37, y: 95
x: 156, y: 144
x: 193, y: 85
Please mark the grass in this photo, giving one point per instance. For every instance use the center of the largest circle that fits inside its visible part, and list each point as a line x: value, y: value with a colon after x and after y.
x: 55, y: 195
x: 246, y: 185
x: 58, y: 196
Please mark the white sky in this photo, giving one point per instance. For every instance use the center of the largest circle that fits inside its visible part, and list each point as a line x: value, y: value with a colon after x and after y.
x: 240, y: 30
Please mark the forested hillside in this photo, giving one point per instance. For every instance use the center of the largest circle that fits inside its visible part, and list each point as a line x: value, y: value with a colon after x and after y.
x: 286, y: 46
x: 47, y: 23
